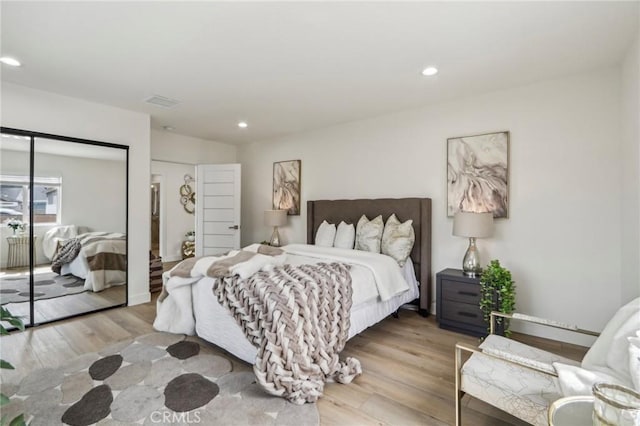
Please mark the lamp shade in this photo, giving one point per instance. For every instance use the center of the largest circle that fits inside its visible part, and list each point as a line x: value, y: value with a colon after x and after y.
x: 275, y: 217
x: 476, y: 225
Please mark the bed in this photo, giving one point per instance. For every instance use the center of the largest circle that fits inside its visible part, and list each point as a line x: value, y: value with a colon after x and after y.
x: 290, y: 310
x: 417, y: 209
x: 97, y: 257
x: 215, y: 324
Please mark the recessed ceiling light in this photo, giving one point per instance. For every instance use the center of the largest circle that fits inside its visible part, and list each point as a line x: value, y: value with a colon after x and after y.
x: 429, y: 71
x: 168, y: 128
x: 243, y: 124
x: 10, y: 61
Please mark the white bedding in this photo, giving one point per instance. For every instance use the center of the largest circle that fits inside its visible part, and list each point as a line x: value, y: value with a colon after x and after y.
x: 215, y: 324
x: 100, y: 279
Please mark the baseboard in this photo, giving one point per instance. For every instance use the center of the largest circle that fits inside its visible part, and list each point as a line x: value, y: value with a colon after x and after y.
x: 139, y: 299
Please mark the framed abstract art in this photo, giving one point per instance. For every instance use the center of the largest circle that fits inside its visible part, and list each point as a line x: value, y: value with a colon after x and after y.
x: 477, y: 174
x: 286, y: 186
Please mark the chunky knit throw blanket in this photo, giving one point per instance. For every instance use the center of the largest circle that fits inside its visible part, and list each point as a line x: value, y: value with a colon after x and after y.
x: 298, y: 318
x: 67, y: 252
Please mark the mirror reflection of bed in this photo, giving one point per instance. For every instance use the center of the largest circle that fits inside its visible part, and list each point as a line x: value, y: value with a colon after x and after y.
x: 79, y: 224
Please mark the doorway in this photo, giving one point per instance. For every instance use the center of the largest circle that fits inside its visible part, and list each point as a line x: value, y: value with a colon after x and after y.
x: 155, y: 216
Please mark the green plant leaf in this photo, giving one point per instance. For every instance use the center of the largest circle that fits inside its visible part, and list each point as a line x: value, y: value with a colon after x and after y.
x: 7, y: 316
x: 16, y: 322
x: 497, y: 291
x: 6, y: 365
x: 18, y: 421
x: 4, y: 399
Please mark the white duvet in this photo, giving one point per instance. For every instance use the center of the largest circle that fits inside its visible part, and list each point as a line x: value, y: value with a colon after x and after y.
x: 388, y: 279
x: 373, y: 276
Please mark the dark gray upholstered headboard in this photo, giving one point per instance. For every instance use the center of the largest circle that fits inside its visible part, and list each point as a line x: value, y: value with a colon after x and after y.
x: 418, y: 209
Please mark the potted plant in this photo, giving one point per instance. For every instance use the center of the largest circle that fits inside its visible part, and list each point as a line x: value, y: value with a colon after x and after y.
x: 190, y: 236
x: 497, y: 293
x: 6, y: 316
x: 14, y: 224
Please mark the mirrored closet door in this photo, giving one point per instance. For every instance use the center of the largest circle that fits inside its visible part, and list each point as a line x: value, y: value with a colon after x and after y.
x: 67, y: 199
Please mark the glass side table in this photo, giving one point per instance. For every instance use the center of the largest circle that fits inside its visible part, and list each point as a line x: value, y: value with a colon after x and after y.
x: 571, y: 411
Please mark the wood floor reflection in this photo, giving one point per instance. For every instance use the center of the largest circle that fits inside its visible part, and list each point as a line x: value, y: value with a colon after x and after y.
x: 46, y: 310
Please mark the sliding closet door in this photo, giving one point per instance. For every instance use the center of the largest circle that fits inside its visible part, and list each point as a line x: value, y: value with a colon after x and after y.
x: 16, y: 285
x: 80, y: 218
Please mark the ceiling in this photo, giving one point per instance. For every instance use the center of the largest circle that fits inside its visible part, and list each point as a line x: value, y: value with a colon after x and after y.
x: 287, y: 67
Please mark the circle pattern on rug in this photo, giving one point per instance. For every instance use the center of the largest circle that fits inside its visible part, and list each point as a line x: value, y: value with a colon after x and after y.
x: 16, y: 288
x: 184, y: 350
x: 139, y: 382
x: 94, y: 406
x: 105, y: 367
x: 27, y: 294
x: 188, y: 392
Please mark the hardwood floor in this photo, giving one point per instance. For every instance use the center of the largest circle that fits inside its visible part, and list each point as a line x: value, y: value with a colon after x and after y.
x: 408, y: 366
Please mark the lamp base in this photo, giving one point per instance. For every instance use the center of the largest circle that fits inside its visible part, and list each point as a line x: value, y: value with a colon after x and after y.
x: 275, y: 238
x: 471, y: 262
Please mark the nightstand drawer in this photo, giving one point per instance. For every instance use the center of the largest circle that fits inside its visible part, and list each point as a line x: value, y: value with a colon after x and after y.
x: 463, y: 312
x: 460, y: 292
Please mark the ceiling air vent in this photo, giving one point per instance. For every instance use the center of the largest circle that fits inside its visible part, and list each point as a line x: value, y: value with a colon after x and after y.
x: 161, y: 101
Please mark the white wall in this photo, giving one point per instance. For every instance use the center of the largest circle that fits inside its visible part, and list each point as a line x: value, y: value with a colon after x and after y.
x: 562, y: 240
x: 30, y: 109
x: 630, y: 209
x: 173, y: 147
x: 174, y: 155
x: 102, y: 181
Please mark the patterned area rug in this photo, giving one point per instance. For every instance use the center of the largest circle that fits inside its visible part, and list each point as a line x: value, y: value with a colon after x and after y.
x: 15, y: 288
x: 159, y: 378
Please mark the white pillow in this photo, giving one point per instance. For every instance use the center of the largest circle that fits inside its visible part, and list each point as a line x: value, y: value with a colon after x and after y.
x: 634, y: 361
x: 398, y: 239
x: 326, y: 234
x: 598, y: 355
x: 369, y: 234
x: 345, y: 236
x: 51, y: 238
x: 574, y: 380
x: 618, y: 355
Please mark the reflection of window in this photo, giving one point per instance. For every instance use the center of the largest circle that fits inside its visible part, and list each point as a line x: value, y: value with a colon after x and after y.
x: 14, y: 198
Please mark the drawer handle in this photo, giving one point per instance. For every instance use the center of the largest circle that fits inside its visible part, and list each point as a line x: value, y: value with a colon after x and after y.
x: 467, y: 314
x: 467, y: 293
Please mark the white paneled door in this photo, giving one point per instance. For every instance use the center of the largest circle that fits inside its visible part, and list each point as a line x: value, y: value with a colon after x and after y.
x: 217, y: 208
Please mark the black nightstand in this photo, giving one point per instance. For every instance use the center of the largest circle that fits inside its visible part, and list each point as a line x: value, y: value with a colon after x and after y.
x: 458, y: 303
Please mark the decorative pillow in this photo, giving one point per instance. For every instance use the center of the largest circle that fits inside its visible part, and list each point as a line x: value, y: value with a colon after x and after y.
x: 618, y: 354
x: 326, y: 234
x: 369, y: 234
x: 598, y: 354
x: 398, y: 239
x: 345, y: 236
x: 634, y: 361
x: 574, y: 380
x: 55, y: 235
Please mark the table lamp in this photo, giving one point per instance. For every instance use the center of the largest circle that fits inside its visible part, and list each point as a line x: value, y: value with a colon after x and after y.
x: 275, y: 218
x: 472, y: 225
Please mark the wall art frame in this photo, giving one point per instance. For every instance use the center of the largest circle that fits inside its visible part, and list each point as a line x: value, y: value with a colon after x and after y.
x: 478, y: 174
x: 287, y: 186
